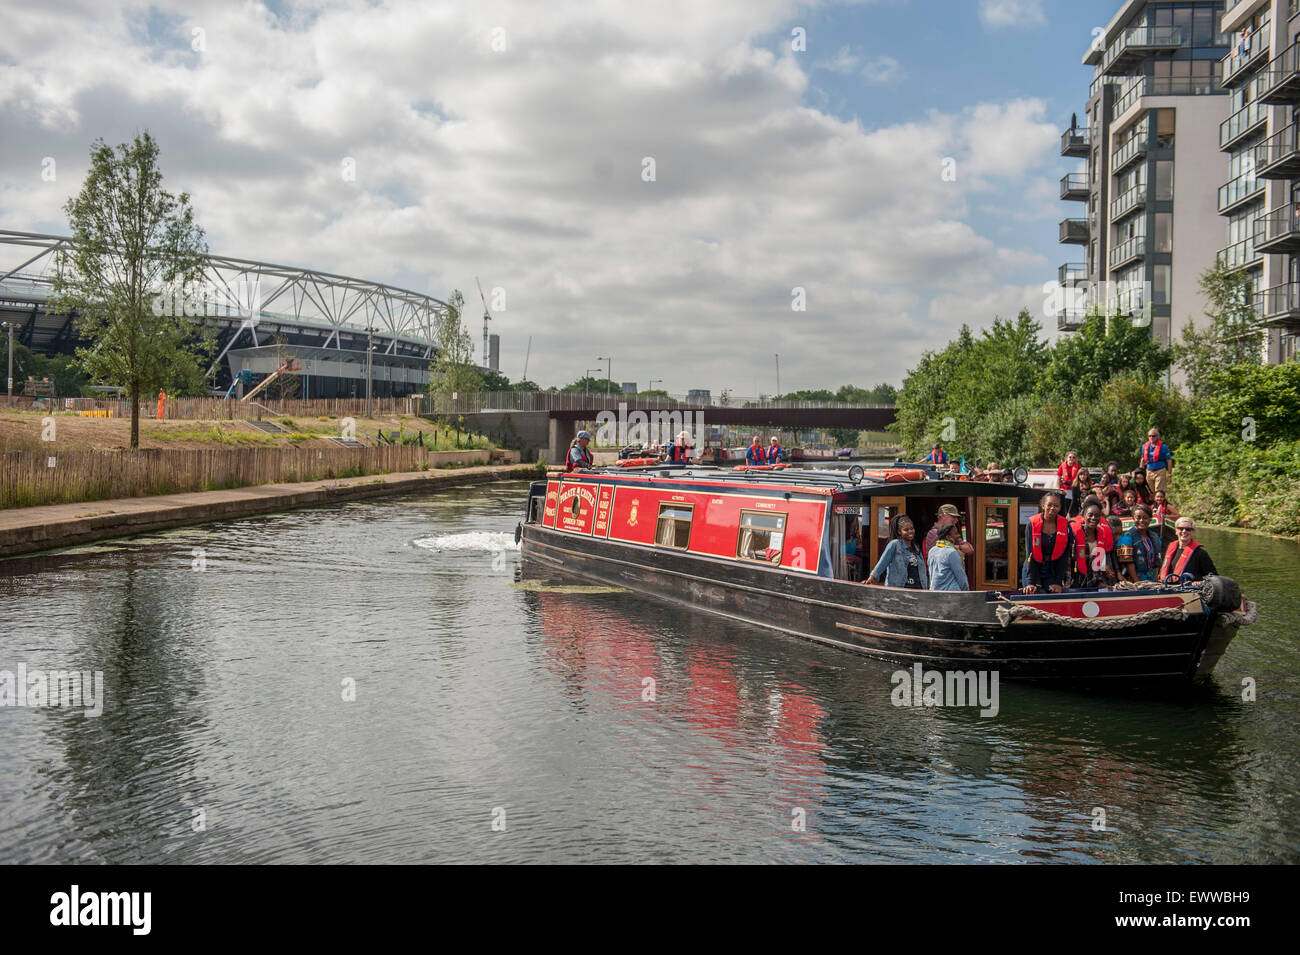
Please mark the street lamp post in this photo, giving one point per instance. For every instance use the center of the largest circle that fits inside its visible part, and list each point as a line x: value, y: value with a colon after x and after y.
x: 370, y: 359
x: 9, y: 388
x: 608, y: 364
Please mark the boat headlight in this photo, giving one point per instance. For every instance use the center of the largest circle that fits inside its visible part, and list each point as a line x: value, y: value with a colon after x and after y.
x: 1021, y: 475
x: 855, y: 474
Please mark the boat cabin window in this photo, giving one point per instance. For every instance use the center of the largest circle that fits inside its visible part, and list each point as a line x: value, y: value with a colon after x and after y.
x: 674, y: 527
x: 997, y: 551
x: 535, y: 508
x: 761, y: 536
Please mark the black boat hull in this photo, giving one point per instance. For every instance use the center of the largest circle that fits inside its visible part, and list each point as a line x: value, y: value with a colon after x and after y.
x: 940, y: 630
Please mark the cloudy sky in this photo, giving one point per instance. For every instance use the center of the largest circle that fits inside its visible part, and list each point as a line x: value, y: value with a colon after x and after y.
x: 647, y: 181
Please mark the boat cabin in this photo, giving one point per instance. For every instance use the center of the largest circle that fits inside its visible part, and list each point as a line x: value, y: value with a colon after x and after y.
x: 821, y: 523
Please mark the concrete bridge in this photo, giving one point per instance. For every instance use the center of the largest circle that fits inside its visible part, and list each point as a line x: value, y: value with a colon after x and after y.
x: 530, y: 422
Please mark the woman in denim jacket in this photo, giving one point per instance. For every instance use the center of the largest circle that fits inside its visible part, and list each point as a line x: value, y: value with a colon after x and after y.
x: 901, y: 565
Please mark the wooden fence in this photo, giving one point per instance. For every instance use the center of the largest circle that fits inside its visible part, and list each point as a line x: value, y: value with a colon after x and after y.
x: 217, y: 409
x: 29, y: 478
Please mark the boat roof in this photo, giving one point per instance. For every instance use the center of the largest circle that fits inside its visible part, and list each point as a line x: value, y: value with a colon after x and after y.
x: 825, y: 481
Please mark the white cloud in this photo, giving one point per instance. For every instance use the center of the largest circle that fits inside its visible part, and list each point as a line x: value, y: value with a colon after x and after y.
x: 882, y: 71
x: 996, y: 14
x: 844, y: 62
x: 524, y: 167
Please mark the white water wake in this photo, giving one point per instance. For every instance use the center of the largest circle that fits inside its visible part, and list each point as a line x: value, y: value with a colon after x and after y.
x: 489, y: 542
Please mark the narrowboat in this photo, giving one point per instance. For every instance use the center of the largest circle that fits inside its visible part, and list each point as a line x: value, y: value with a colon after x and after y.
x: 786, y: 550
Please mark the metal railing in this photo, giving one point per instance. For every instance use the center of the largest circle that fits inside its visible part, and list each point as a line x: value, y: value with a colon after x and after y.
x: 1238, y: 190
x: 1241, y: 122
x: 1074, y: 230
x: 1276, y: 224
x: 1239, y: 255
x: 1279, y: 300
x: 1238, y: 60
x: 1071, y: 272
x: 1130, y: 200
x: 1126, y: 251
x: 1074, y: 183
x: 1164, y: 86
x: 1074, y: 140
x: 1135, y: 39
x: 1280, y: 149
x: 473, y: 402
x: 1280, y: 82
x: 1136, y: 146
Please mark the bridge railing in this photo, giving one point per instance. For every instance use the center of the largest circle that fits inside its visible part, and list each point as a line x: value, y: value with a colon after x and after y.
x: 479, y: 401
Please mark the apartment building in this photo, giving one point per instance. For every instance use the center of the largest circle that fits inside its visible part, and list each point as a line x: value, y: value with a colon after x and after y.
x: 1261, y: 73
x: 1152, y: 169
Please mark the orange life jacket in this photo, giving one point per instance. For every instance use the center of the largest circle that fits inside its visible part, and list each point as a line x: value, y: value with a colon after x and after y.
x: 1183, y: 558
x: 1036, y: 537
x: 1150, y: 452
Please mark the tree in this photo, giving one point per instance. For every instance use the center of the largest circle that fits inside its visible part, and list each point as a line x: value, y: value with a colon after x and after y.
x: 1233, y: 337
x: 495, y: 381
x: 1258, y: 404
x: 525, y: 385
x: 132, y: 241
x: 595, y: 386
x: 1081, y: 363
x: 453, y: 370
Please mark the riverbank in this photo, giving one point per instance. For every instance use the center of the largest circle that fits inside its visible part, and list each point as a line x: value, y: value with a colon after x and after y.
x: 29, y: 529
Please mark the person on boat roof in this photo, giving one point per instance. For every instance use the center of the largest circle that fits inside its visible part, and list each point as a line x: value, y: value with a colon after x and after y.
x: 901, y: 564
x: 947, y: 572
x: 948, y: 516
x: 774, y: 451
x: 1186, y: 558
x: 679, y: 452
x: 1138, y: 550
x: 937, y: 455
x: 580, y: 459
x: 754, y: 455
x: 1051, y: 547
x: 1158, y: 461
x: 1066, y: 473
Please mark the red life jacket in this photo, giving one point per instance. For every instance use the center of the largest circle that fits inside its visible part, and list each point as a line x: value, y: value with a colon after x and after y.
x: 1104, y: 538
x: 1036, y: 537
x: 1183, y: 558
x: 1067, y: 473
x: 773, y: 453
x: 587, y: 459
x: 1147, y: 449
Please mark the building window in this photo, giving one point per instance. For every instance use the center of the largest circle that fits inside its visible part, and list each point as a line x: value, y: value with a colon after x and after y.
x: 674, y: 527
x: 1164, y: 129
x: 1161, y: 276
x: 761, y: 536
x: 1164, y: 180
x: 1164, y: 232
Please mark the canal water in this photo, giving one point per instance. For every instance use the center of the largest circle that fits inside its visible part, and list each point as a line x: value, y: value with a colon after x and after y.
x: 373, y: 682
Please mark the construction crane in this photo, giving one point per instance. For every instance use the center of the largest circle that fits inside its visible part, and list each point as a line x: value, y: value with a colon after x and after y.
x: 487, y: 317
x: 289, y: 366
x: 526, y: 354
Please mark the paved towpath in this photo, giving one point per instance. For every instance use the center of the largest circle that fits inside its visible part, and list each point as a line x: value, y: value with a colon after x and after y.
x: 27, y: 529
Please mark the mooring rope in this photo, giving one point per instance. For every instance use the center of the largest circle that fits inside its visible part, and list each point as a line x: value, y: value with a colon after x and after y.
x: 1014, y: 611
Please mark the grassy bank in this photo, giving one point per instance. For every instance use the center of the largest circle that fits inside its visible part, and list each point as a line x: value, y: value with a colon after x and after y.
x: 1234, y: 483
x: 25, y: 431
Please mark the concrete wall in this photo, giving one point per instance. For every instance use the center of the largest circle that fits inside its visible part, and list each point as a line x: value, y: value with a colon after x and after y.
x: 527, y: 432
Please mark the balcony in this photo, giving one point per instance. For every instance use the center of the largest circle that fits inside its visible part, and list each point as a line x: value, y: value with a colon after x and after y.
x: 1095, y: 86
x: 1128, y: 251
x: 1242, y: 123
x: 1239, y: 191
x: 1242, y: 255
x: 1278, y: 230
x: 1074, y: 186
x: 1070, y: 318
x: 1163, y: 86
x: 1239, y: 65
x: 1071, y: 274
x: 1137, y: 43
x: 1135, y: 147
x: 1278, y: 157
x: 1074, y: 231
x: 1074, y: 142
x: 1135, y: 198
x: 1279, y: 85
x: 1280, y: 304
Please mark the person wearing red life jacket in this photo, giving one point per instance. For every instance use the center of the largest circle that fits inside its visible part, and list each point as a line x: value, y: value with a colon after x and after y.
x: 1186, y: 558
x: 580, y: 459
x: 774, y: 451
x: 936, y: 456
x: 755, y: 455
x: 1094, y: 549
x: 1051, y: 547
x: 1066, y: 473
x: 1158, y: 461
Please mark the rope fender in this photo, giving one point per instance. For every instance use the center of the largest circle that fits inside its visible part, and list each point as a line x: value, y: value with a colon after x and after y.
x: 1014, y: 611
